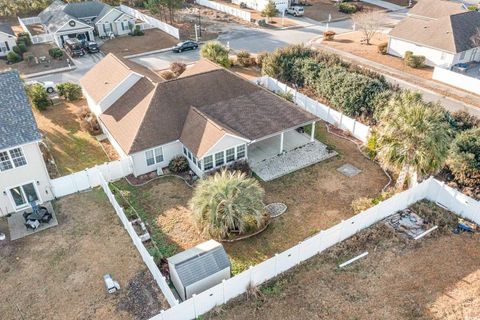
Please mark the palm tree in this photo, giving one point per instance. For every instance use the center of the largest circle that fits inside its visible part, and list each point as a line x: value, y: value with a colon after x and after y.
x: 228, y: 202
x: 413, y: 137
x: 216, y: 52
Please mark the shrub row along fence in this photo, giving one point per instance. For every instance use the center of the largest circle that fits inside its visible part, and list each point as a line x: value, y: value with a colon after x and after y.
x: 155, y: 23
x: 242, y: 14
x: 338, y: 119
x: 146, y: 257
x: 430, y: 189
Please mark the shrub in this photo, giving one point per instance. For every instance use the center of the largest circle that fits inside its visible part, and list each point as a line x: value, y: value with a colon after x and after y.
x: 286, y: 95
x: 22, y: 46
x: 137, y: 31
x: 70, y: 91
x: 17, y: 50
x: 13, y: 57
x: 55, y: 53
x: 270, y: 10
x: 347, y: 8
x: 280, y: 63
x: 30, y: 58
x: 245, y: 59
x: 472, y: 8
x: 383, y: 47
x: 38, y: 96
x: 221, y: 212
x: 329, y: 35
x: 461, y: 121
x: 216, y: 52
x: 261, y: 57
x: 25, y: 37
x: 178, y: 68
x: 414, y: 61
x: 178, y: 164
x: 464, y: 160
x: 167, y: 75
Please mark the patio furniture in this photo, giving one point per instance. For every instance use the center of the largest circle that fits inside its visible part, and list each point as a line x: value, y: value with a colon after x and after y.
x: 39, y: 213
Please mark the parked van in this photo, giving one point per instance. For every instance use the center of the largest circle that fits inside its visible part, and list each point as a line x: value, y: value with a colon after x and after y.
x: 296, y: 11
x: 74, y: 47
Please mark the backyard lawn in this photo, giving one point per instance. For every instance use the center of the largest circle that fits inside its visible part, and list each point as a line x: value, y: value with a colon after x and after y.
x: 58, y: 273
x: 317, y: 197
x: 73, y: 148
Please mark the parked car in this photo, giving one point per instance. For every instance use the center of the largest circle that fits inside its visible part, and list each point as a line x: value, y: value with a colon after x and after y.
x: 92, y: 47
x: 48, y: 85
x: 296, y: 11
x: 74, y: 47
x: 184, y: 46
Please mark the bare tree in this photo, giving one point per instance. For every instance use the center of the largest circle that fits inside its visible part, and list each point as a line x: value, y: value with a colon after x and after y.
x: 369, y: 23
x: 475, y: 39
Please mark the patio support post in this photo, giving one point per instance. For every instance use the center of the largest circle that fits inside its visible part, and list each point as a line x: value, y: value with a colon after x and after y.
x: 281, y: 142
x: 312, y: 134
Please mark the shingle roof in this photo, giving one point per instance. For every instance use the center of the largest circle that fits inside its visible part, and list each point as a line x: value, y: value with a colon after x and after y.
x: 6, y: 28
x: 53, y: 17
x: 451, y: 33
x: 17, y: 124
x: 86, y: 9
x: 434, y: 9
x: 231, y: 102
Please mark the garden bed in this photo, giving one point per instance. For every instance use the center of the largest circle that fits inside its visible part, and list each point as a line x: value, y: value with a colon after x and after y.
x: 317, y: 197
x: 436, y: 277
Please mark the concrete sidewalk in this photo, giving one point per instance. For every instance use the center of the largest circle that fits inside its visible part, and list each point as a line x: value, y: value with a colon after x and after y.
x: 452, y: 99
x: 384, y: 4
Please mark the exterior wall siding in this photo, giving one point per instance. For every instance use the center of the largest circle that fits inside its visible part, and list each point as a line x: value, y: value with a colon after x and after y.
x: 10, y: 40
x: 35, y: 170
x: 434, y: 57
x: 139, y: 162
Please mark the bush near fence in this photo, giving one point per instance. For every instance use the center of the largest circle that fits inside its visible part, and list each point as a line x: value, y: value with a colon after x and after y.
x: 338, y: 119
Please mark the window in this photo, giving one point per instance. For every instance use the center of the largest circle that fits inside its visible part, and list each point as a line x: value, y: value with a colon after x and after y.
x: 230, y: 154
x: 12, y: 158
x: 154, y: 156
x: 22, y: 195
x: 199, y: 164
x: 219, y: 160
x: 241, y: 152
x: 107, y: 27
x: 189, y: 155
x: 5, y: 163
x: 17, y: 157
x: 208, y: 163
x: 185, y: 151
x: 194, y: 160
x: 125, y: 25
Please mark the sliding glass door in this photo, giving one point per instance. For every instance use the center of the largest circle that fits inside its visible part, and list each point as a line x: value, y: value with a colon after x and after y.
x: 23, y: 195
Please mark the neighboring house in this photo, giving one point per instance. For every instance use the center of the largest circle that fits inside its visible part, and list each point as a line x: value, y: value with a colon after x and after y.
x: 259, y: 5
x: 82, y: 19
x: 7, y: 39
x: 23, y: 174
x: 440, y: 30
x: 209, y: 114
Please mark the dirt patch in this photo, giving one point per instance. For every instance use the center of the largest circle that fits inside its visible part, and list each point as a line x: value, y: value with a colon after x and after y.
x: 317, y: 197
x: 434, y: 278
x: 37, y: 51
x: 250, y: 74
x: 153, y: 39
x: 350, y: 42
x: 72, y: 148
x: 58, y: 273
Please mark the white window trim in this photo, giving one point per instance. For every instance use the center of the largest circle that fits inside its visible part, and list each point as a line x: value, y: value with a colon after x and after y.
x: 11, y: 160
x: 225, y: 157
x: 26, y: 205
x: 154, y: 156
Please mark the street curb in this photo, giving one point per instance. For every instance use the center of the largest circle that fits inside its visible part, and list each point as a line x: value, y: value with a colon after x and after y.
x: 154, y: 52
x: 44, y: 73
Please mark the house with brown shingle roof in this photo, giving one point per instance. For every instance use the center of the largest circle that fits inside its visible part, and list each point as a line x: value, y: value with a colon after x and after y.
x: 210, y: 115
x: 441, y: 30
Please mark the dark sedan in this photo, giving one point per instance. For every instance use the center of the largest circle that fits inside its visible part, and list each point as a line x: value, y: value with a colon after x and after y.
x: 184, y: 46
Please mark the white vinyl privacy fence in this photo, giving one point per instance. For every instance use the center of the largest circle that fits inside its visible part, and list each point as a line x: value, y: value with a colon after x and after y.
x: 151, y: 21
x: 40, y: 38
x: 462, y: 81
x: 242, y: 14
x: 338, y: 119
x: 430, y: 189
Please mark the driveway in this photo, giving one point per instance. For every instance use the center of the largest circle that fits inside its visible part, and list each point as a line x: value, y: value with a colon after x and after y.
x: 161, y: 61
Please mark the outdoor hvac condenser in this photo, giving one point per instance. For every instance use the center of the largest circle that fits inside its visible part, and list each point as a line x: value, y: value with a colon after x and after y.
x: 199, y: 268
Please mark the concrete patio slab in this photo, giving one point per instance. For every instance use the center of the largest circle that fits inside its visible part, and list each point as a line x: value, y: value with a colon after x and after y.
x: 349, y: 170
x: 16, y: 223
x: 292, y: 160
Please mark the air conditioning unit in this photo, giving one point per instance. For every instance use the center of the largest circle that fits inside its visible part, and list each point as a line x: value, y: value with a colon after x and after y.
x: 160, y: 172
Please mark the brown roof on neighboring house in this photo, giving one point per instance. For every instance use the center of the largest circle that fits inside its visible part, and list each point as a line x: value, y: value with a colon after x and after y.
x: 435, y: 9
x: 451, y: 33
x: 109, y: 73
x: 201, y: 66
x: 151, y: 115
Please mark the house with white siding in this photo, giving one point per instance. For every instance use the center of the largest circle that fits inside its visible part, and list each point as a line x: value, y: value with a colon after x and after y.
x: 442, y: 31
x: 210, y: 115
x: 23, y: 174
x: 7, y: 39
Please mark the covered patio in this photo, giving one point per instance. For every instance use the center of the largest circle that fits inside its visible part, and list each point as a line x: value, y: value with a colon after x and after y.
x: 286, y: 152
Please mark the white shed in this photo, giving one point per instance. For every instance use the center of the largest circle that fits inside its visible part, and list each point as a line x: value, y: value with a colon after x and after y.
x: 199, y: 268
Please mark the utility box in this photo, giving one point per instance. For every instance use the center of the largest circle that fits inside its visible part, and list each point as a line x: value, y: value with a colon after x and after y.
x: 199, y: 268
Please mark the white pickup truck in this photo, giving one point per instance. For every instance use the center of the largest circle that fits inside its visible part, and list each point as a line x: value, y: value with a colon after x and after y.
x: 48, y: 85
x: 296, y: 11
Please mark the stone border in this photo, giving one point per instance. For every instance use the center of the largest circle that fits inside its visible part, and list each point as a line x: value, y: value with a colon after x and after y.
x: 246, y: 236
